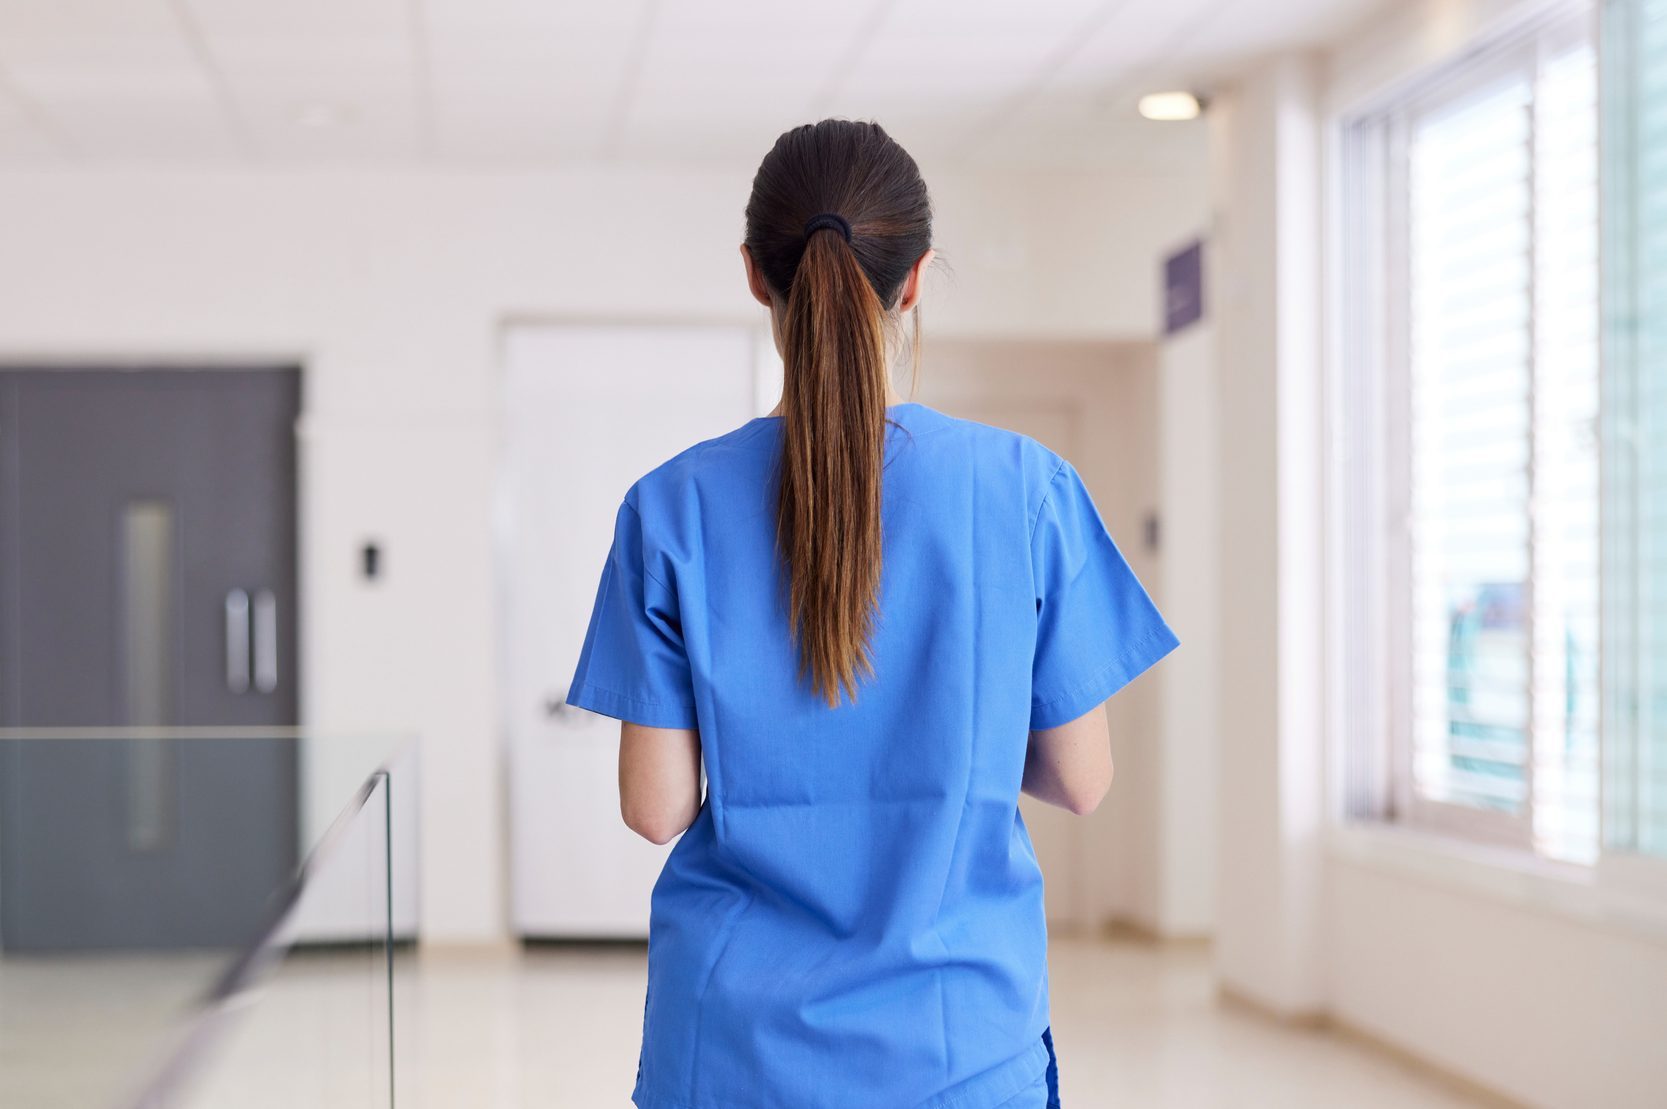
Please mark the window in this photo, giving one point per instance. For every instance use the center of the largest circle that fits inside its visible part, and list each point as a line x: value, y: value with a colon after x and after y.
x: 1635, y: 425
x: 1473, y: 491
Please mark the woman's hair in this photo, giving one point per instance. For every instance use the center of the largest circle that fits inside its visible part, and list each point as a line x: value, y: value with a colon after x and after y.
x: 836, y: 333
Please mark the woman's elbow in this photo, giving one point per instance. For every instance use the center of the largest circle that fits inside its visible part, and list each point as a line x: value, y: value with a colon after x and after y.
x: 654, y: 827
x: 656, y: 824
x: 1086, y: 796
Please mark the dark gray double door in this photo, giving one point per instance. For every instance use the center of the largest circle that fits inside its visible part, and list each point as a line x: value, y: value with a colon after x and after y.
x: 147, y: 578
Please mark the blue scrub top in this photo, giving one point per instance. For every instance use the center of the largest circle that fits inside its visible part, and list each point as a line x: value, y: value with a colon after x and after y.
x: 855, y: 917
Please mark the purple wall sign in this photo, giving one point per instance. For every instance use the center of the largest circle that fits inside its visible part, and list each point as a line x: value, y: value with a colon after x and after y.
x: 1183, y: 288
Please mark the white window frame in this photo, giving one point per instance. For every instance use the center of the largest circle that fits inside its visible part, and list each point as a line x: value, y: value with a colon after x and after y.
x: 1372, y: 450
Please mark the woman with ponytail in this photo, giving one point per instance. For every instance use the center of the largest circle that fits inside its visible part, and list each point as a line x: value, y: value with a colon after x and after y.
x: 872, y: 625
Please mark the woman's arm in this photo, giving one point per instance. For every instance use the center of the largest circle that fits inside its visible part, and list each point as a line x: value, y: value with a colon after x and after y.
x: 1070, y: 765
x: 659, y: 780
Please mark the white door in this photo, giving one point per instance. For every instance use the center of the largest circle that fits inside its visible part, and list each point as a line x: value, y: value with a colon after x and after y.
x: 588, y: 409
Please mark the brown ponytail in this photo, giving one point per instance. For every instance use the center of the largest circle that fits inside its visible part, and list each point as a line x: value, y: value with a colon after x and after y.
x: 835, y: 331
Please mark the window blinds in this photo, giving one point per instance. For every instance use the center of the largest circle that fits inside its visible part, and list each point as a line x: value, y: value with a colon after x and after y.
x: 1470, y: 215
x: 1566, y: 456
x: 1503, y: 476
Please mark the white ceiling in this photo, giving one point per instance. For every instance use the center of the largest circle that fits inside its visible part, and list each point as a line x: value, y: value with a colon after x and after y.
x: 551, y: 82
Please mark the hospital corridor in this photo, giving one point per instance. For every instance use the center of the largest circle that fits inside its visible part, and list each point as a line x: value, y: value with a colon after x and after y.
x: 896, y: 554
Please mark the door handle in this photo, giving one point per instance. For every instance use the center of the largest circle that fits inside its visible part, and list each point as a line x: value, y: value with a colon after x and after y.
x: 266, y: 641
x: 237, y: 641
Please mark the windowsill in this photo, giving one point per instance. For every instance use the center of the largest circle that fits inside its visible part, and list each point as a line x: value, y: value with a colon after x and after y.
x: 1627, y: 896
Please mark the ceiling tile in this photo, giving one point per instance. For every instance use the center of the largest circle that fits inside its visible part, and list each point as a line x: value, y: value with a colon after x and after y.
x: 736, y: 85
x: 993, y: 17
x: 811, y: 21
x: 23, y: 21
x: 528, y: 64
x: 512, y: 97
x: 299, y: 19
x: 1130, y: 38
x: 707, y: 51
x: 596, y: 17
x: 20, y: 140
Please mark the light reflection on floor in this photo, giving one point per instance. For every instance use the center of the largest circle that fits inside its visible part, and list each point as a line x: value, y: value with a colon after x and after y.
x: 554, y: 1027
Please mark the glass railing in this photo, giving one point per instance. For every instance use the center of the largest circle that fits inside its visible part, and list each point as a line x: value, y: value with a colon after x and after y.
x: 200, y: 917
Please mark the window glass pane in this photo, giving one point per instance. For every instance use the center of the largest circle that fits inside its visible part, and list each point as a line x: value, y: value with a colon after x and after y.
x: 1635, y: 429
x: 1566, y: 494
x: 1650, y: 235
x: 148, y: 653
x: 1469, y: 225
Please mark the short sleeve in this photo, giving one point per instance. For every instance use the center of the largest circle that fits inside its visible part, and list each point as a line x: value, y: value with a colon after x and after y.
x: 632, y: 665
x: 1096, y: 627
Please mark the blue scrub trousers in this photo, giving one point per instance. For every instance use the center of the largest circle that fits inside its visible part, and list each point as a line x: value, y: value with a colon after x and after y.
x: 1044, y: 1092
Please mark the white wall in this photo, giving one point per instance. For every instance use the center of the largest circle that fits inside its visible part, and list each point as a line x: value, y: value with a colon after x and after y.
x: 390, y: 289
x: 1190, y: 558
x: 1266, y: 292
x: 1495, y: 974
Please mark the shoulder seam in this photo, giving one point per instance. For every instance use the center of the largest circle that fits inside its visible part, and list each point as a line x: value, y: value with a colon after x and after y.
x: 1034, y: 524
x: 644, y: 566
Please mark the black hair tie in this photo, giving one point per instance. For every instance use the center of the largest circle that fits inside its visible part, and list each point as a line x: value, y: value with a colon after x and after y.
x: 826, y: 220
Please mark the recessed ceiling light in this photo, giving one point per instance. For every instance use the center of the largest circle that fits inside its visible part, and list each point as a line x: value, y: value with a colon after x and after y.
x: 318, y: 114
x: 1170, y: 106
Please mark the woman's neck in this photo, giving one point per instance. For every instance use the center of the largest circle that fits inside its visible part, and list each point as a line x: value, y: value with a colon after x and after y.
x: 892, y: 397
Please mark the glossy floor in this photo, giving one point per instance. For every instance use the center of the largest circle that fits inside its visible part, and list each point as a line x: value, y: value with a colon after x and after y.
x: 1134, y: 1025
x: 557, y: 1028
